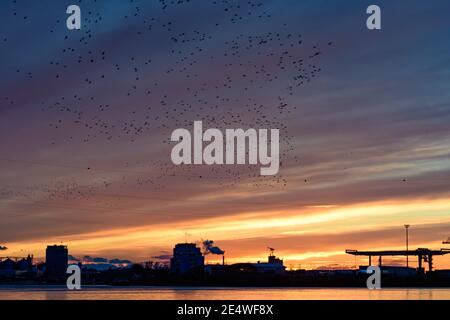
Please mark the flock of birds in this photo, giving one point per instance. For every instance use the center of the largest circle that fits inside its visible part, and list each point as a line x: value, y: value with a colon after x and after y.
x: 165, y: 70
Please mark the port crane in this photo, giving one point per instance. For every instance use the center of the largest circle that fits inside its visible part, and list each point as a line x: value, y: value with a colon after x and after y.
x: 423, y: 254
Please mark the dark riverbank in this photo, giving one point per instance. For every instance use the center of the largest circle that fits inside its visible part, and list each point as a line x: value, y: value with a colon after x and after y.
x: 320, y: 279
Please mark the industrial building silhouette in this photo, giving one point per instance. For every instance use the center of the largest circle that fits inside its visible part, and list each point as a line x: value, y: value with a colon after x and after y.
x: 56, y: 260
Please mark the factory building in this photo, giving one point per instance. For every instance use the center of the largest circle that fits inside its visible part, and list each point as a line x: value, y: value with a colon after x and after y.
x: 187, y: 258
x: 19, y: 264
x: 56, y: 260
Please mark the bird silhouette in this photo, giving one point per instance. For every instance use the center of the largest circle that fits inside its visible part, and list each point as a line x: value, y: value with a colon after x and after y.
x: 119, y: 89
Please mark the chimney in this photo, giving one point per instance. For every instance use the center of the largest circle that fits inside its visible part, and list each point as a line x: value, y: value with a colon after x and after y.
x: 223, y: 260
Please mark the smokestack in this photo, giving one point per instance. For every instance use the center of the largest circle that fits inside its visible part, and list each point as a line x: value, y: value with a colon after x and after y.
x: 223, y: 260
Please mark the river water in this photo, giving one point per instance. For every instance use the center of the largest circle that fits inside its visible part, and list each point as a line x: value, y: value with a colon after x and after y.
x: 216, y: 293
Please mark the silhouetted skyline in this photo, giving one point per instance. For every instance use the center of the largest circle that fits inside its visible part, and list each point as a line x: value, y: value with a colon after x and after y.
x: 86, y: 117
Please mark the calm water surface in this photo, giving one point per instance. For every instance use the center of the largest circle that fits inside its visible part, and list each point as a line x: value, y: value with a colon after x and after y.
x: 215, y: 293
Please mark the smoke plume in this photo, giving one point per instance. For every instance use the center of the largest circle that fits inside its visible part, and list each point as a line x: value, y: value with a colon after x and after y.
x: 208, y: 247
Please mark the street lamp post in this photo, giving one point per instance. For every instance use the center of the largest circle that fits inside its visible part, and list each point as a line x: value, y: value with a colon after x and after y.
x: 407, y: 245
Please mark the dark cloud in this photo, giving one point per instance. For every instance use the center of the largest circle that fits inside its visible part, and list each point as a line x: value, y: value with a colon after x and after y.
x: 119, y: 261
x: 90, y: 259
x: 101, y: 262
x: 87, y: 259
x: 163, y: 257
x: 72, y: 258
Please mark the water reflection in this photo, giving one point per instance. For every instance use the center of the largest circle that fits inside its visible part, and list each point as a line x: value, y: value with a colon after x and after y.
x: 186, y: 293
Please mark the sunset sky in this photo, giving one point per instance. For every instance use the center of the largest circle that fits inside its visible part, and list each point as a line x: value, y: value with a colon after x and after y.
x: 86, y: 117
